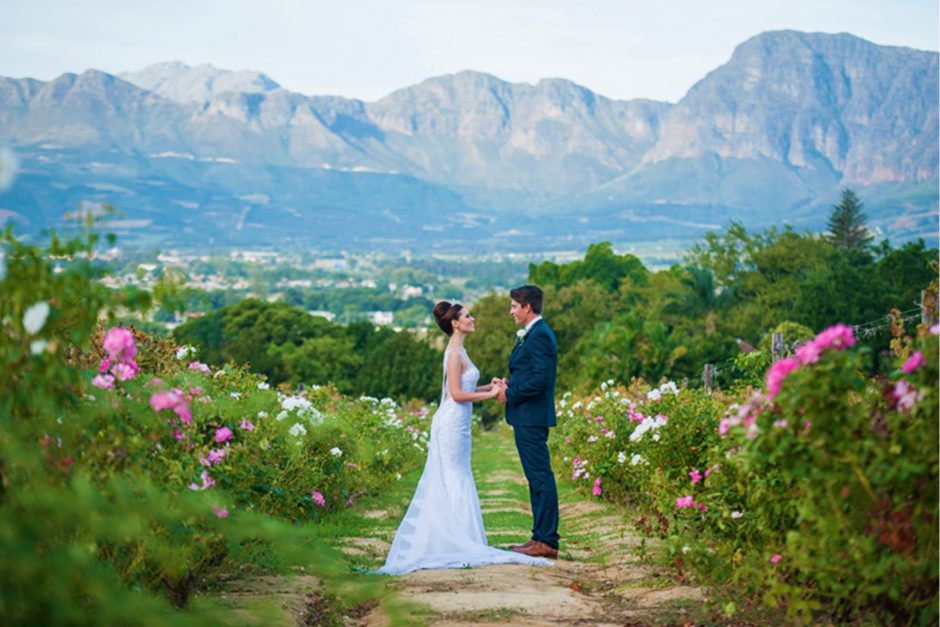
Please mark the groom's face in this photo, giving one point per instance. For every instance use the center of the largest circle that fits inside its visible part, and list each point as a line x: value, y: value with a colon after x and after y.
x: 520, y: 313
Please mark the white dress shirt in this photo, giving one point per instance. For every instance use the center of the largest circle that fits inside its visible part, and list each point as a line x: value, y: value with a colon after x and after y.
x: 531, y: 322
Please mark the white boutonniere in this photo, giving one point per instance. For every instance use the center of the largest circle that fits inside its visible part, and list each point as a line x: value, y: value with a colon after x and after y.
x: 520, y: 336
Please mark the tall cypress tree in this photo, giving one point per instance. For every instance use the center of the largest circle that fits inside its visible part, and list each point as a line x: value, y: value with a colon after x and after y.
x: 847, y: 223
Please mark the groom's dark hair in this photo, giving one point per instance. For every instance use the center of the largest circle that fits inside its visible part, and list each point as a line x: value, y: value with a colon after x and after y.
x: 528, y: 295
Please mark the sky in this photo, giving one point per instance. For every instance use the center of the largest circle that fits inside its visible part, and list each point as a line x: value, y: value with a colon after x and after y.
x: 367, y: 48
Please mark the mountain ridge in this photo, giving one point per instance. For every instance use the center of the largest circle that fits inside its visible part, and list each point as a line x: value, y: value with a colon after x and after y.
x: 787, y: 121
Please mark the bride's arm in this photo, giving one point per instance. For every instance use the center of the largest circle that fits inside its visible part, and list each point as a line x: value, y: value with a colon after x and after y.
x: 453, y: 383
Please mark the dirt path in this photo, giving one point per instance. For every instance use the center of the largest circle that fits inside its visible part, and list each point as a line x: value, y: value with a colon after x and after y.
x: 598, y: 579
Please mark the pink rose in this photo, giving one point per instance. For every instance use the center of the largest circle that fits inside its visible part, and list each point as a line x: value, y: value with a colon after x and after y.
x: 201, y: 367
x: 103, y: 381
x: 182, y: 410
x: 695, y: 475
x: 839, y: 336
x: 119, y: 342
x: 685, y: 501
x: 125, y: 370
x: 246, y: 425
x: 216, y: 455
x: 777, y: 373
x: 905, y: 395
x: 914, y: 362
x: 223, y: 435
x: 596, y: 490
x: 776, y: 558
x: 221, y: 512
x: 808, y: 353
x: 164, y: 400
x: 207, y: 482
x: 318, y: 498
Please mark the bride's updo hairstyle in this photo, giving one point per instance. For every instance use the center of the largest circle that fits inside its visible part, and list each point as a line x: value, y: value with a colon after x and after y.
x: 445, y: 313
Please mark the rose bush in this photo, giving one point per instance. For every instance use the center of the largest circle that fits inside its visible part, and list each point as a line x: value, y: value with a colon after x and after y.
x: 818, y: 493
x: 132, y: 476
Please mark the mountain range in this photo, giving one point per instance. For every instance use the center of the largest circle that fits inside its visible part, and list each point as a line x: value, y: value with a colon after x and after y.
x: 197, y: 156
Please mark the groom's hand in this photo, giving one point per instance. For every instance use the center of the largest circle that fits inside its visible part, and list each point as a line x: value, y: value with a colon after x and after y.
x: 502, y: 394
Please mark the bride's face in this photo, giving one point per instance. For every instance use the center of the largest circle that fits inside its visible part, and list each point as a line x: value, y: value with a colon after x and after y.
x: 465, y: 322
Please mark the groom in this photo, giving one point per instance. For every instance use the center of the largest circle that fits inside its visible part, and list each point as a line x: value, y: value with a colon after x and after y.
x: 529, y: 397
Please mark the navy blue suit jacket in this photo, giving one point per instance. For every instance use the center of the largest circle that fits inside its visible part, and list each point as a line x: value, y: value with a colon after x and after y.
x: 530, y: 398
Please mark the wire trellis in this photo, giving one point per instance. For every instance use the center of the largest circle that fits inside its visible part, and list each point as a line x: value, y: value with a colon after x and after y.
x: 864, y: 330
x: 876, y: 327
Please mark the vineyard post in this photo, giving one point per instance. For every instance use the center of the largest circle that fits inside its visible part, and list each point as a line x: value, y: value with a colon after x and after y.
x: 777, y: 346
x: 928, y: 307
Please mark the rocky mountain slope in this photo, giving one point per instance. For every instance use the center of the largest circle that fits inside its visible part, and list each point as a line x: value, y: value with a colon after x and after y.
x: 771, y: 135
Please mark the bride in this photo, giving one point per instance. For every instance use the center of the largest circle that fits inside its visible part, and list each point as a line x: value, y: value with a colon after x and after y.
x: 443, y: 527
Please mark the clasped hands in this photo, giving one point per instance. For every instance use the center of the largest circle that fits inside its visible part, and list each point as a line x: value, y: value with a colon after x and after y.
x: 498, y: 388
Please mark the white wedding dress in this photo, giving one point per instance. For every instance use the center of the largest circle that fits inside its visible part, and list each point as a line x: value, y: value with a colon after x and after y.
x: 443, y: 527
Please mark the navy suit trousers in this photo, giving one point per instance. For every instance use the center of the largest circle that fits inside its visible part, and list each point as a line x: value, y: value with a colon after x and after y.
x: 532, y: 444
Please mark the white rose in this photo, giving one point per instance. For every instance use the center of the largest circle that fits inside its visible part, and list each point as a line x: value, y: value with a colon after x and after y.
x: 34, y: 318
x: 38, y: 347
x: 185, y: 352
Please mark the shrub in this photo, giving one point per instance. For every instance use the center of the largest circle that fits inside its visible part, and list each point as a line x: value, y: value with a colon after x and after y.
x: 122, y: 493
x: 818, y: 494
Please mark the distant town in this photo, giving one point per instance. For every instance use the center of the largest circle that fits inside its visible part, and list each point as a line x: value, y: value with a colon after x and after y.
x: 396, y: 291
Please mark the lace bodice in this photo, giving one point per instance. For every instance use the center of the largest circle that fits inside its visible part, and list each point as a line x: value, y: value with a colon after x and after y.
x: 468, y: 379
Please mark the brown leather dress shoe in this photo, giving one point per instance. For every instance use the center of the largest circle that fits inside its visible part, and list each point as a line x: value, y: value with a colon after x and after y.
x: 522, y: 546
x: 538, y: 549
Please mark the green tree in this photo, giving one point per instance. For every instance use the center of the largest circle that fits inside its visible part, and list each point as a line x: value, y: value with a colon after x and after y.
x: 573, y: 312
x: 318, y: 360
x: 626, y: 347
x: 600, y: 264
x: 846, y: 224
x: 400, y: 365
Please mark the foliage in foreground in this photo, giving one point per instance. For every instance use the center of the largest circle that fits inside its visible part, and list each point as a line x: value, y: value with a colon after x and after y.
x: 818, y: 495
x: 132, y: 476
